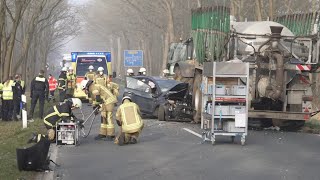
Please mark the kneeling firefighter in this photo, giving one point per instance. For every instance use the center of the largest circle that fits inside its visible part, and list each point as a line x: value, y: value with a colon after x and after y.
x: 104, y: 98
x: 129, y: 120
x: 58, y: 113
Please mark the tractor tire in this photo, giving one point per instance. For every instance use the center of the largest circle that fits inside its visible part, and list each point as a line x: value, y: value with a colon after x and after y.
x: 162, y: 114
x: 196, y: 98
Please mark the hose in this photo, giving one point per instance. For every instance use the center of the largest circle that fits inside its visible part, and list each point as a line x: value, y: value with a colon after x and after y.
x: 94, y: 117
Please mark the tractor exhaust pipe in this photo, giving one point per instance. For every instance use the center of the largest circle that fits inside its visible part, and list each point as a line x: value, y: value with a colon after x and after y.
x: 275, y: 93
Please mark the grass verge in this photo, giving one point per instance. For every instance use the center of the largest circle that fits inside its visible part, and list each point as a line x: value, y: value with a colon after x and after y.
x: 12, y: 136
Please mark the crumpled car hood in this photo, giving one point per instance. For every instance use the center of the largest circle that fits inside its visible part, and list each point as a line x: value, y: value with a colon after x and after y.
x: 178, y: 91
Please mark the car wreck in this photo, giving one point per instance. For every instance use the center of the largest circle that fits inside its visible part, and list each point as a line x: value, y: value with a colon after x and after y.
x: 163, y: 98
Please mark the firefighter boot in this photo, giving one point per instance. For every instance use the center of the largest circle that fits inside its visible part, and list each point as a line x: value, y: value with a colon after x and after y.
x: 100, y: 137
x: 121, y: 139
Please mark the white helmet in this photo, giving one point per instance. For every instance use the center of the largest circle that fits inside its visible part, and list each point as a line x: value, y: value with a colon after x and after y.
x: 64, y: 69
x: 126, y: 97
x: 142, y: 70
x: 166, y: 71
x: 129, y: 71
x: 100, y: 69
x: 76, y: 102
x: 70, y: 68
x: 90, y: 67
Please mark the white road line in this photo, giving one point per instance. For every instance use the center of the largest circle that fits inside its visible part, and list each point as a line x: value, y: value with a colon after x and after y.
x: 192, y: 132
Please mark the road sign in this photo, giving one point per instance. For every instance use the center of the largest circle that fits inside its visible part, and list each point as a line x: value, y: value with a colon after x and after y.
x: 133, y: 58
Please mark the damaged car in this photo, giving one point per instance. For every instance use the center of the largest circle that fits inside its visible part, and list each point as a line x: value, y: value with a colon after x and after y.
x: 161, y: 97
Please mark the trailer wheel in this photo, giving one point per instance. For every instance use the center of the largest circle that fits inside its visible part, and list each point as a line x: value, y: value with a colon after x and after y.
x: 161, y: 114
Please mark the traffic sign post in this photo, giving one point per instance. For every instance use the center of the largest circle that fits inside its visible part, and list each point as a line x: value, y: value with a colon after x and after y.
x: 133, y: 58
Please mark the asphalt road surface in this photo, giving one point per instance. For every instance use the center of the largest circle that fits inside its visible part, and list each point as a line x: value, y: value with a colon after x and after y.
x: 167, y: 151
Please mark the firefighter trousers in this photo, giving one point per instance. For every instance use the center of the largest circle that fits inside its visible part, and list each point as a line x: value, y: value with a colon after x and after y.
x: 62, y: 95
x: 107, y: 126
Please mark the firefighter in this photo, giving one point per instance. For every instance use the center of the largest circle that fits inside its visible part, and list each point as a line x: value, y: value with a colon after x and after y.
x: 18, y: 90
x: 113, y: 87
x: 39, y: 90
x: 7, y: 100
x: 52, y: 87
x: 90, y: 76
x: 142, y: 71
x: 62, y: 84
x: 100, y: 78
x: 56, y: 114
x: 129, y: 120
x: 166, y: 73
x: 71, y: 83
x: 130, y: 72
x: 104, y: 98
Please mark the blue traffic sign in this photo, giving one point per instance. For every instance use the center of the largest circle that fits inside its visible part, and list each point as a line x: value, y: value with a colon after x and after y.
x: 133, y: 58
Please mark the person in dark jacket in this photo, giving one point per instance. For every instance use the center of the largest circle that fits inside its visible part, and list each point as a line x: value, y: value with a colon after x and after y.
x: 18, y: 89
x: 62, y: 84
x: 39, y: 90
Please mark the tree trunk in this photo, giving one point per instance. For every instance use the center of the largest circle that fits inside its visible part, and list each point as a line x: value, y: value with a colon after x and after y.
x: 271, y: 10
x: 119, y: 55
x: 199, y: 3
x: 258, y: 10
x: 165, y: 50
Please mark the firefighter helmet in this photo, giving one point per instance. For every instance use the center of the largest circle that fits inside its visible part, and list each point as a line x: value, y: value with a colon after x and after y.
x: 126, y: 97
x: 90, y: 67
x: 142, y: 70
x: 100, y: 69
x: 70, y: 68
x: 64, y: 69
x: 76, y: 102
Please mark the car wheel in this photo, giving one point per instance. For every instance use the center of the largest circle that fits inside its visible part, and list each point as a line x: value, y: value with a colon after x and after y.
x: 161, y: 114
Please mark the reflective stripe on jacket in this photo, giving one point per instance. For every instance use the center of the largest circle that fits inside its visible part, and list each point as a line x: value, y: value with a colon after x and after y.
x: 128, y: 114
x: 56, y: 116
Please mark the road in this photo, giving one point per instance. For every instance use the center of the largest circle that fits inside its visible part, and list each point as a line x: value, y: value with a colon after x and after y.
x: 167, y: 151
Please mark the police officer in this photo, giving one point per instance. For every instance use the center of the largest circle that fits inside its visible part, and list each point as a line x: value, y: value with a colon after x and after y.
x: 39, y: 90
x: 7, y: 100
x: 129, y: 120
x: 62, y: 84
x: 130, y: 72
x: 103, y: 97
x: 142, y: 71
x: 100, y: 78
x: 18, y: 90
x: 71, y: 83
x: 56, y: 114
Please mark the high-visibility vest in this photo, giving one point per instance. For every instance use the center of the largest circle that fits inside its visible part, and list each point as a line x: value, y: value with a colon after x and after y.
x: 22, y: 84
x: 131, y: 120
x: 1, y: 86
x: 7, y: 91
x: 52, y: 84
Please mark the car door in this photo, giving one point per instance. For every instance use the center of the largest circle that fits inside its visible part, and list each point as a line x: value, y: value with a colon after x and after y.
x: 140, y: 93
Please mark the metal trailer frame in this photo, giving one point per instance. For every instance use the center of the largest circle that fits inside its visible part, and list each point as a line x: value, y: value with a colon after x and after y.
x: 209, y: 121
x: 76, y: 133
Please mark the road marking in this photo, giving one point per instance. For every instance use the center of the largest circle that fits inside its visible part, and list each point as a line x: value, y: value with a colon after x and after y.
x: 192, y: 132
